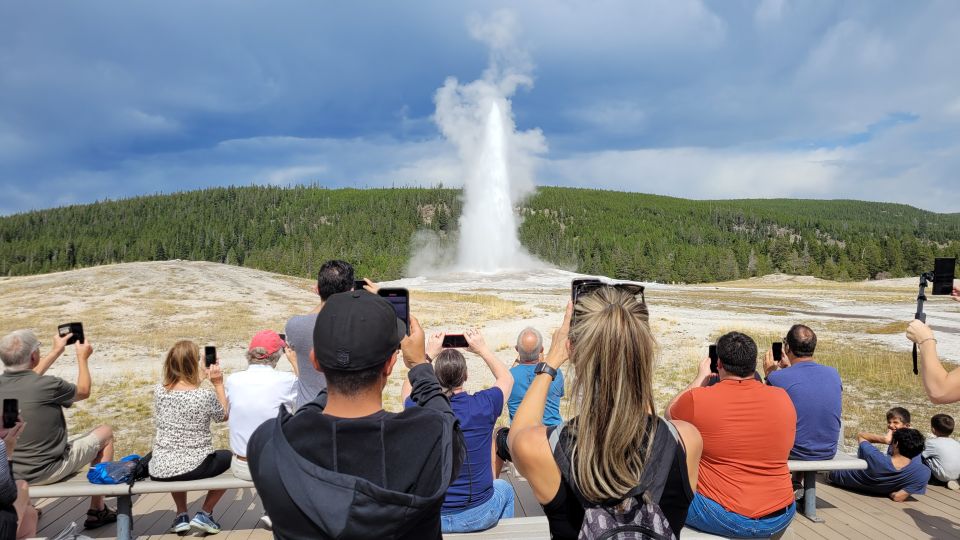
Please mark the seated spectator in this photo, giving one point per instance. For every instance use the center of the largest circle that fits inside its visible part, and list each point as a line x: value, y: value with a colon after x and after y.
x: 334, y: 277
x: 615, y: 453
x: 256, y: 394
x: 941, y: 454
x: 45, y: 454
x: 342, y: 467
x: 748, y: 429
x: 476, y: 500
x: 897, y: 476
x: 814, y: 389
x: 18, y: 518
x: 529, y: 352
x: 897, y: 418
x: 183, y: 444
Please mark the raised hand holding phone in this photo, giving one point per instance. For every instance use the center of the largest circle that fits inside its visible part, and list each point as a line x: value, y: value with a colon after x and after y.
x: 475, y: 342
x: 435, y: 344
x: 559, y: 353
x: 413, y: 345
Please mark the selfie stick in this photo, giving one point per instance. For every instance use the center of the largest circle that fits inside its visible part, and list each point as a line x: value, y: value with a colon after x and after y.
x: 920, y: 315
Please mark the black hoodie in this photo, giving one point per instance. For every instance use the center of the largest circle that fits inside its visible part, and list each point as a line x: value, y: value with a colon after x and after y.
x: 380, y: 476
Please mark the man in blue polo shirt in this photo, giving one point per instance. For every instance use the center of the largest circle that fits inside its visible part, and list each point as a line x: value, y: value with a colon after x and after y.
x: 897, y: 476
x: 815, y: 390
x: 529, y: 352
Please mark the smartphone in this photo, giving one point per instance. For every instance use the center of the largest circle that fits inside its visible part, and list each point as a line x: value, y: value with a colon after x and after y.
x: 11, y: 410
x: 777, y: 352
x: 400, y: 300
x: 359, y: 285
x: 209, y: 355
x: 943, y: 273
x: 455, y: 341
x: 74, y: 328
x: 713, y: 359
x: 283, y: 337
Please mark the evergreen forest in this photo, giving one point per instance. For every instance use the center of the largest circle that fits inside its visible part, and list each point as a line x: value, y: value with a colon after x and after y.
x: 623, y: 235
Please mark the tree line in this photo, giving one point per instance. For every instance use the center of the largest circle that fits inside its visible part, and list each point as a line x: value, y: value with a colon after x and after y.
x: 624, y: 235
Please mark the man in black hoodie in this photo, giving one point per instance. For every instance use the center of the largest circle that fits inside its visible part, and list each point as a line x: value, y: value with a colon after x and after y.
x: 342, y: 467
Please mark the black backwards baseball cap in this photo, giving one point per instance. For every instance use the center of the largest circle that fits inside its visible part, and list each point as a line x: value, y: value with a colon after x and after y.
x: 356, y: 330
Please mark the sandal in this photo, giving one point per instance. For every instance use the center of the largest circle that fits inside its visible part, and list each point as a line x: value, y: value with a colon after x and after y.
x: 99, y: 518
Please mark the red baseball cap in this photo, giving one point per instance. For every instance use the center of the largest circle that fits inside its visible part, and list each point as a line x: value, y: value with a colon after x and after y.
x: 267, y: 339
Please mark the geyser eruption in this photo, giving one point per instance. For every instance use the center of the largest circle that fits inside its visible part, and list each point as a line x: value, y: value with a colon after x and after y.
x: 496, y: 160
x: 488, y: 226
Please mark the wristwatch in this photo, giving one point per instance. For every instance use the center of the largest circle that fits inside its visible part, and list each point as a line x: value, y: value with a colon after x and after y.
x: 543, y: 367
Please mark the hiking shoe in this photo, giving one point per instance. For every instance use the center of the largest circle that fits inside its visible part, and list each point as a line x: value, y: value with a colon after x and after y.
x: 205, y: 523
x: 99, y: 518
x: 181, y: 525
x: 267, y: 522
x: 953, y: 484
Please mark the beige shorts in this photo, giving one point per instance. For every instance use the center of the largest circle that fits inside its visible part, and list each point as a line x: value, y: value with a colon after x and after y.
x: 83, y: 448
x: 240, y: 469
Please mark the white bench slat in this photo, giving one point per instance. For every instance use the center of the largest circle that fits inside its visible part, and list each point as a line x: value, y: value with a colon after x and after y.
x: 840, y: 462
x: 78, y: 486
x: 536, y: 528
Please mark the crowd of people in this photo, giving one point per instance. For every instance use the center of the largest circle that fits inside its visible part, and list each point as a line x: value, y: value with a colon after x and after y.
x: 328, y: 461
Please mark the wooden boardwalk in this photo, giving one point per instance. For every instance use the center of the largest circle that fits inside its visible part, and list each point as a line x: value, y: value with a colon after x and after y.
x: 847, y: 515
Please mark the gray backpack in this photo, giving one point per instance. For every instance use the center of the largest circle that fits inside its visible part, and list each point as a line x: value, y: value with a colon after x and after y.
x: 638, y: 516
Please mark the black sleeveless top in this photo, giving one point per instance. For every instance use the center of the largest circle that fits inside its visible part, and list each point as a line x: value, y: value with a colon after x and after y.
x: 565, y: 512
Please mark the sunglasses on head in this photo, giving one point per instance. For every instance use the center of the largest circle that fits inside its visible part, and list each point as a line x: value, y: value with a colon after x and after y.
x: 587, y: 287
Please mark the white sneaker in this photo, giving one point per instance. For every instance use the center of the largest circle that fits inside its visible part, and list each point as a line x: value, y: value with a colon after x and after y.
x: 954, y: 485
x: 267, y: 522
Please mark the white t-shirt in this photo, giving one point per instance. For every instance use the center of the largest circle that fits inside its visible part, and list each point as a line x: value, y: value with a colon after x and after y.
x: 255, y: 396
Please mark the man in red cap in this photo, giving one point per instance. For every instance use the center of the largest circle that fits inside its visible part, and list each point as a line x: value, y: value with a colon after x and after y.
x: 256, y: 394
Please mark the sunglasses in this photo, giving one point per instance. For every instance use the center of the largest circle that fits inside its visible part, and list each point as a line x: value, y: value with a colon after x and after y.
x: 585, y: 287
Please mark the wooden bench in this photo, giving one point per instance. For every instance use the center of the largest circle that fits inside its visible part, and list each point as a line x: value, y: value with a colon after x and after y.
x: 78, y: 486
x: 840, y: 462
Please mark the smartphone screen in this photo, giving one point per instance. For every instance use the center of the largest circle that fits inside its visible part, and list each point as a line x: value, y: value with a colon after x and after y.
x: 209, y: 355
x: 400, y: 300
x: 11, y: 410
x: 713, y: 359
x: 455, y: 341
x: 74, y: 328
x: 943, y: 273
x: 777, y: 352
x: 359, y: 285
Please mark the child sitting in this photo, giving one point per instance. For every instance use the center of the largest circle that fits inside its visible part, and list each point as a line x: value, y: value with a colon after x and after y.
x: 942, y: 454
x: 897, y: 418
x: 898, y: 476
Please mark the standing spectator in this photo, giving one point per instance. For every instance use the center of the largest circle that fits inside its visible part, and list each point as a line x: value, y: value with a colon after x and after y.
x: 334, y: 277
x: 256, y: 394
x: 744, y: 487
x: 183, y: 445
x: 816, y: 393
x: 476, y: 500
x: 897, y: 476
x: 615, y: 453
x: 18, y: 518
x: 941, y: 454
x: 941, y: 387
x: 45, y: 454
x: 342, y: 467
x: 529, y: 352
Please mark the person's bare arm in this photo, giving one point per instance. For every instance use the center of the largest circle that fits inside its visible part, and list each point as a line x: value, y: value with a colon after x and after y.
x: 899, y: 496
x: 769, y: 364
x: 84, y: 382
x: 528, y: 438
x: 941, y: 387
x: 503, y: 377
x: 215, y: 374
x: 874, y: 438
x: 693, y: 445
x: 703, y: 373
x: 432, y: 348
x: 59, y: 345
x: 292, y: 358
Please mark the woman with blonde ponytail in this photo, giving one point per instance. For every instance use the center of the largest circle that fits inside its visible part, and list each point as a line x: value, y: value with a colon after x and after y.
x: 604, y: 455
x: 476, y: 500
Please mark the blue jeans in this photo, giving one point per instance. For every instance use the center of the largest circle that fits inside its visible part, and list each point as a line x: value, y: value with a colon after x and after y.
x: 708, y: 516
x: 484, y: 516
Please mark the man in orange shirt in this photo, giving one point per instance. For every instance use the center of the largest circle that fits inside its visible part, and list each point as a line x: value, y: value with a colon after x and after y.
x: 744, y: 487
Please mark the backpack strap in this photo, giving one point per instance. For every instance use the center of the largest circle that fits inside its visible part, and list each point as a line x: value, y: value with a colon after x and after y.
x: 655, y: 472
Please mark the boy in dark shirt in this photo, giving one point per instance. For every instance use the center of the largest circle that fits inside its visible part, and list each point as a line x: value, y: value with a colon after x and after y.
x: 897, y: 476
x: 342, y: 467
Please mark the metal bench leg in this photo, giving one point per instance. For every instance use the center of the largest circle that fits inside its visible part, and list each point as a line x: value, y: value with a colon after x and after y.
x: 810, y: 496
x: 124, y: 517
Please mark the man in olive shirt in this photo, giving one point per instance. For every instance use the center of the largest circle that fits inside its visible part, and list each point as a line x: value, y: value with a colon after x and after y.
x: 45, y: 454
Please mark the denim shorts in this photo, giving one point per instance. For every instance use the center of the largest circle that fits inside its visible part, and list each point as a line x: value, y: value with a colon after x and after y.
x: 484, y: 516
x: 708, y: 516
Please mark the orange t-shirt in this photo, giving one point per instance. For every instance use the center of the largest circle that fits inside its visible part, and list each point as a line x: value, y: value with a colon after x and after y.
x: 748, y: 430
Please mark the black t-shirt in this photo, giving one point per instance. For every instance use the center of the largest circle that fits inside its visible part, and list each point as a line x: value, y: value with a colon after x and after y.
x: 565, y: 514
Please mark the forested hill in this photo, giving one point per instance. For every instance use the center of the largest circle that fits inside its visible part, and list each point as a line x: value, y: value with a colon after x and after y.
x: 626, y: 235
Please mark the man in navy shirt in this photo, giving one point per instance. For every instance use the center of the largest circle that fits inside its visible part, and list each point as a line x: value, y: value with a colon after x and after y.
x: 815, y: 390
x: 897, y: 476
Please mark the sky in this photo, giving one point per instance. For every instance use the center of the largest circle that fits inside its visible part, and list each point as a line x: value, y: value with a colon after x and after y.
x: 689, y: 98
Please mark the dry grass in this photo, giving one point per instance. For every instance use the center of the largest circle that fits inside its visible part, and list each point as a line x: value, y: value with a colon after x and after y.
x: 896, y: 327
x: 434, y: 308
